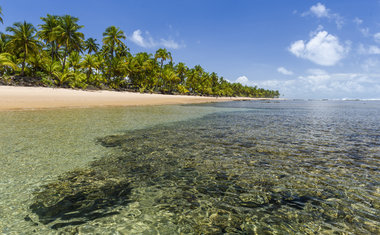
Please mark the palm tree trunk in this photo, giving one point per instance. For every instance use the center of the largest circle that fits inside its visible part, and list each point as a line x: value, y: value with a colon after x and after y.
x: 52, y: 50
x: 110, y: 65
x: 23, y: 65
x: 64, y: 60
x: 162, y: 79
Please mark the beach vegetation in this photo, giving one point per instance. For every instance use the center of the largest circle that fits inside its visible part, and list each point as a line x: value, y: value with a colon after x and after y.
x: 1, y: 13
x: 58, y: 54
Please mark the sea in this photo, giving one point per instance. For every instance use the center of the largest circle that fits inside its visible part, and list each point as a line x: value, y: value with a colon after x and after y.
x: 241, y: 167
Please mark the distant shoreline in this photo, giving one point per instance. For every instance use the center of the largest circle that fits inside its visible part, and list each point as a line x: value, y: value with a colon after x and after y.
x: 30, y: 98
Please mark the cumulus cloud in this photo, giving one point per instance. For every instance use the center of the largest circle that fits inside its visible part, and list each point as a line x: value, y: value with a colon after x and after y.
x: 284, y: 71
x: 358, y: 21
x: 350, y: 84
x: 170, y: 44
x: 370, y: 64
x: 370, y: 50
x: 320, y: 11
x: 323, y: 49
x: 316, y: 83
x: 376, y: 37
x: 363, y: 30
x: 147, y: 41
x: 243, y: 80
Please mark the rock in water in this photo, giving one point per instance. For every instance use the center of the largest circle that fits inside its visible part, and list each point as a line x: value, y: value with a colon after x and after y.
x: 80, y: 196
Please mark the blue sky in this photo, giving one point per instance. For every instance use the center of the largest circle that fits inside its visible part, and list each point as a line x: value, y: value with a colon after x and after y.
x: 303, y: 48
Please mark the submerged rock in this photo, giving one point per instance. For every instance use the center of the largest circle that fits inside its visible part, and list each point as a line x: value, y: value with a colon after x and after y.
x: 204, y: 179
x: 80, y: 196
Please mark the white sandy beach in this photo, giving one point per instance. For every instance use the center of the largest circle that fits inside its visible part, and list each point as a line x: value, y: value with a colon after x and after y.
x: 23, y: 98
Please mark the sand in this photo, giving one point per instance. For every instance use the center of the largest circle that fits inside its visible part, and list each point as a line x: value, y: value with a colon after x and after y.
x: 24, y: 98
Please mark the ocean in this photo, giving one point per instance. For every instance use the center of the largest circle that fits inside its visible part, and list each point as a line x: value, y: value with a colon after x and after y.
x: 243, y: 167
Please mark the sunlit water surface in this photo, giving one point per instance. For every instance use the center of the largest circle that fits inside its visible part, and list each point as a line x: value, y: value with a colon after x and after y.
x: 286, y: 167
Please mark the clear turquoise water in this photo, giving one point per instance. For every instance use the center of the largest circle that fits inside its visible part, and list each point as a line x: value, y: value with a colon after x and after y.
x: 286, y: 167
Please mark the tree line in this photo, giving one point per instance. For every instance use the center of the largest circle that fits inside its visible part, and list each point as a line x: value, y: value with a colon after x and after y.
x: 58, y: 54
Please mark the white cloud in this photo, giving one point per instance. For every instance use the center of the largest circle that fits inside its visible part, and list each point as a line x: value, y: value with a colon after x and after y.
x: 339, y: 83
x: 316, y: 83
x: 364, y: 31
x: 320, y: 11
x: 358, y: 21
x: 170, y: 44
x: 370, y: 50
x: 243, y: 80
x: 374, y: 50
x: 376, y: 37
x: 323, y: 49
x: 147, y: 41
x: 284, y: 71
x: 370, y: 64
x: 138, y: 39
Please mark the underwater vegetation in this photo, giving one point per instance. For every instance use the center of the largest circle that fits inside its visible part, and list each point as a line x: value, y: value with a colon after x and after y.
x: 218, y: 175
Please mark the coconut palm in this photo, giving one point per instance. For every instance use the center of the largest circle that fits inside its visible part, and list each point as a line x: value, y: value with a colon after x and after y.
x: 88, y: 64
x: 1, y: 13
x: 163, y: 54
x: 112, y: 38
x: 23, y: 41
x: 37, y: 61
x: 63, y: 77
x: 68, y: 36
x: 75, y: 60
x: 171, y: 79
x: 4, y: 39
x: 49, y: 33
x: 6, y: 61
x: 181, y: 70
x: 51, y: 66
x: 91, y: 45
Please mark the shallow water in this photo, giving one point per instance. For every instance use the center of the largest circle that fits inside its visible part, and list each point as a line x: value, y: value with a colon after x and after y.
x: 287, y: 167
x: 37, y: 146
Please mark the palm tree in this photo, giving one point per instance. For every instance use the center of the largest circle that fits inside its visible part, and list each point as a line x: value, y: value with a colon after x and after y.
x: 63, y: 77
x: 1, y: 13
x: 181, y: 70
x: 37, y: 62
x: 4, y: 39
x: 91, y: 45
x: 75, y: 60
x: 23, y: 40
x: 5, y: 61
x: 68, y: 35
x: 89, y: 63
x: 171, y: 78
x: 163, y: 54
x: 49, y: 33
x: 111, y: 42
x: 51, y: 66
x: 112, y: 38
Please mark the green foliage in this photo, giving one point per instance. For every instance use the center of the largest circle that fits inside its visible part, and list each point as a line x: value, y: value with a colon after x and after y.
x: 47, y: 81
x: 1, y: 13
x: 78, y: 80
x: 182, y: 89
x: 91, y: 45
x: 63, y: 78
x: 58, y: 54
x: 6, y: 62
x: 23, y: 41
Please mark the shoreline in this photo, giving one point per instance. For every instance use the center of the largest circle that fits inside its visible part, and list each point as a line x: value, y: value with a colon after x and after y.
x: 18, y: 98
